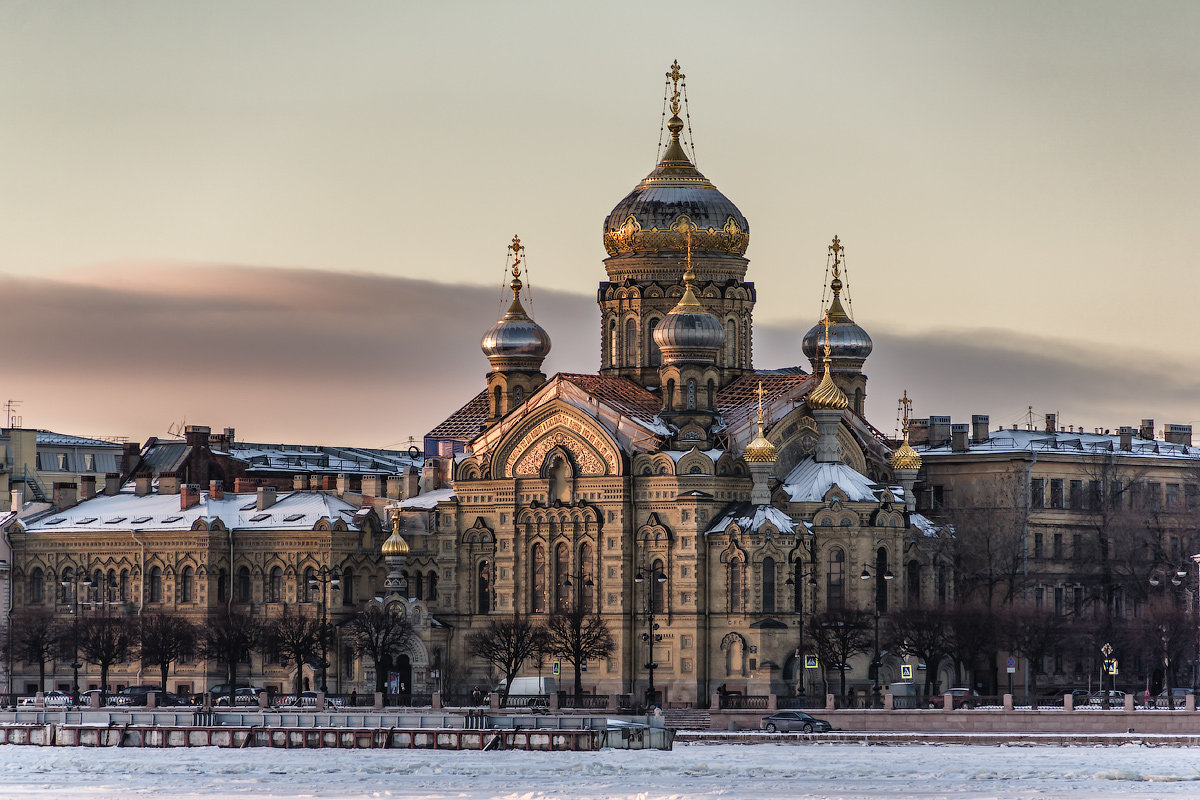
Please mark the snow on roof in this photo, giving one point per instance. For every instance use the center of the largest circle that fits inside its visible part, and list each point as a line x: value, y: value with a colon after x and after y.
x: 320, y: 458
x: 1010, y: 441
x: 428, y: 499
x: 809, y: 481
x: 67, y: 440
x: 752, y: 517
x: 292, y: 511
x: 925, y: 525
x: 675, y: 455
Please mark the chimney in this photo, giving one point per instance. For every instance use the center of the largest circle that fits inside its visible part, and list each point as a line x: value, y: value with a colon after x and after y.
x: 229, y: 437
x: 141, y: 484
x: 314, y: 483
x: 370, y: 486
x: 1147, y: 430
x: 168, y: 483
x: 979, y: 428
x: 395, y: 486
x: 87, y: 486
x: 958, y: 437
x: 939, y: 431
x: 266, y: 497
x: 429, y: 475
x: 1052, y: 423
x: 189, y: 496
x: 299, y: 483
x: 1179, y: 434
x: 1126, y: 434
x: 197, y: 435
x: 66, y: 494
x: 216, y: 490
x: 343, y: 484
x: 327, y: 483
x: 131, y: 454
x: 112, y: 483
x: 18, y: 500
x: 918, y: 431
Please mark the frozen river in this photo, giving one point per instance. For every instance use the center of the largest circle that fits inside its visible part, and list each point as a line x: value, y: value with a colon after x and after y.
x: 726, y: 771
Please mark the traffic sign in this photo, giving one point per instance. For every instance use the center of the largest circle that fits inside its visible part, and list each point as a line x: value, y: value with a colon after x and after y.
x: 1012, y: 662
x: 1107, y: 650
x: 811, y: 662
x: 583, y: 665
x: 1110, y: 666
x: 557, y: 667
x: 906, y: 672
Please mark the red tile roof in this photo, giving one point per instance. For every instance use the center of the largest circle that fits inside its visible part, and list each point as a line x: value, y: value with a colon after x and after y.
x: 464, y: 424
x: 622, y: 394
x: 738, y: 402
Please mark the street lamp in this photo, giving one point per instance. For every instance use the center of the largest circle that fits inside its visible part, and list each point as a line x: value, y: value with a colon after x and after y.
x: 798, y: 607
x: 72, y: 585
x: 325, y: 579
x: 866, y: 575
x: 657, y: 578
x: 1176, y: 580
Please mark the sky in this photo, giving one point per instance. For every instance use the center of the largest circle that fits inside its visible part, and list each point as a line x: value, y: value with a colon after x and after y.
x: 291, y: 217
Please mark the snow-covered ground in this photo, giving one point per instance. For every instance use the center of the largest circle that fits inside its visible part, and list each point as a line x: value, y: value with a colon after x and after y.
x: 725, y: 771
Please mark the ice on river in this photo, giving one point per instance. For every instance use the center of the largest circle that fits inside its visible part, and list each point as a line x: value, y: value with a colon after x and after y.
x: 726, y: 771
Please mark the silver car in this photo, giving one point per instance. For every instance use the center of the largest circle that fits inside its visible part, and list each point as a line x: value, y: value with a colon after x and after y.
x: 788, y: 721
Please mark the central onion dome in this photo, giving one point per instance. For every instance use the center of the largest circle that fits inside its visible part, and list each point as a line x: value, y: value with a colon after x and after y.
x: 676, y: 201
x: 395, y: 545
x: 688, y: 332
x: 516, y: 343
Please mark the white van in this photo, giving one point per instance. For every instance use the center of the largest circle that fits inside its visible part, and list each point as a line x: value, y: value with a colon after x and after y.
x: 530, y: 687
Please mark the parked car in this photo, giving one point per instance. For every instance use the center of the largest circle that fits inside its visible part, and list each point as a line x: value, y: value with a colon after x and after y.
x: 964, y: 697
x: 787, y: 721
x: 1179, y: 697
x: 246, y: 696
x: 137, y: 696
x: 53, y: 699
x: 106, y: 698
x: 1115, y: 697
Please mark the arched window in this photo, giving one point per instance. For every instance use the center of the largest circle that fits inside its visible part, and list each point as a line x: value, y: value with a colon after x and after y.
x: 562, y: 577
x: 730, y: 343
x: 518, y: 394
x: 630, y: 342
x: 347, y: 587
x: 835, y: 580
x: 736, y: 605
x: 768, y: 585
x: 498, y: 401
x: 124, y: 586
x: 275, y: 585
x: 222, y: 586
x: 587, y: 594
x: 537, y: 600
x: 243, y: 585
x: 187, y: 585
x: 37, y: 587
x: 310, y: 585
x: 155, y: 585
x: 941, y: 585
x: 691, y: 394
x: 483, y: 588
x: 98, y: 585
x: 416, y: 585
x: 914, y: 582
x: 711, y: 394
x: 431, y: 581
x: 670, y: 404
x: 110, y: 586
x: 614, y: 349
x: 651, y: 345
x: 858, y: 400
x: 798, y: 586
x: 658, y: 587
x: 881, y: 573
x: 64, y: 587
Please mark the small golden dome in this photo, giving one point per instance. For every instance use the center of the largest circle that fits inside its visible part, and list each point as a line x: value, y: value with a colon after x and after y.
x: 904, y: 457
x: 760, y: 451
x: 827, y: 395
x: 395, y: 545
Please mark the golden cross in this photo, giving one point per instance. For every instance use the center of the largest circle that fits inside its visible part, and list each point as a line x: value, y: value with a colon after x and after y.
x: 905, y: 403
x: 836, y: 249
x: 676, y: 76
x: 516, y: 248
x: 828, y: 323
x: 395, y: 515
x: 760, y: 394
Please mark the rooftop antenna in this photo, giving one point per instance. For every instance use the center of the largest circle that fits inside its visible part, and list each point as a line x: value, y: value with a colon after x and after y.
x: 10, y: 407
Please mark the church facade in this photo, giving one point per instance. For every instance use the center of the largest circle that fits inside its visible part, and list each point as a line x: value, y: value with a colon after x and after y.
x: 702, y: 506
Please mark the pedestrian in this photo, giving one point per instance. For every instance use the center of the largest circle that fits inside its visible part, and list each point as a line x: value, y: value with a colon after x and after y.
x: 353, y: 698
x: 476, y: 696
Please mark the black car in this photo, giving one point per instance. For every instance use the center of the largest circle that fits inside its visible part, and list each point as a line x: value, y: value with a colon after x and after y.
x: 788, y: 721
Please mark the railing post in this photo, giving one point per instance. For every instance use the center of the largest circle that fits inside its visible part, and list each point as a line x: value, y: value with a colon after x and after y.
x: 262, y: 700
x: 553, y: 701
x: 435, y: 702
x: 151, y: 699
x: 1068, y: 702
x: 947, y: 702
x: 716, y: 701
x: 771, y: 702
x: 830, y: 702
x: 889, y: 701
x: 611, y: 706
x: 1008, y: 702
x: 494, y: 701
x: 378, y: 704
x: 1129, y: 701
x: 1189, y: 703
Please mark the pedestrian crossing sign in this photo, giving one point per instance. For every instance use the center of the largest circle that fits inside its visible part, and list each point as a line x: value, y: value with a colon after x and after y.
x: 1110, y: 666
x: 811, y: 662
x: 906, y: 672
x: 557, y: 667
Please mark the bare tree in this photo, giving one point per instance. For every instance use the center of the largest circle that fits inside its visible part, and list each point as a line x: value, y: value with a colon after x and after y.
x: 1033, y: 633
x: 507, y: 644
x: 296, y: 640
x: 840, y: 636
x: 106, y: 639
x: 35, y: 638
x: 974, y: 640
x: 165, y: 639
x: 575, y: 637
x: 230, y: 636
x: 924, y: 633
x: 380, y: 635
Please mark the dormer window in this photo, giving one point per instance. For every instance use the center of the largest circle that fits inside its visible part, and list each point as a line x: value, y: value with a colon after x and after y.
x: 62, y: 462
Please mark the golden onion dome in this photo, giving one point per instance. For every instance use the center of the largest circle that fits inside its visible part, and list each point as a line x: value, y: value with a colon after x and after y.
x: 760, y: 451
x: 395, y: 545
x: 827, y: 395
x: 904, y: 457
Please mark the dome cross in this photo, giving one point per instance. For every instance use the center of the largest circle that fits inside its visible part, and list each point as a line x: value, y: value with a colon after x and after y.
x: 676, y: 76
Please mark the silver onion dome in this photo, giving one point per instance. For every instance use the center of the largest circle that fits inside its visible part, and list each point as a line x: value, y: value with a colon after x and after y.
x: 516, y: 342
x: 849, y: 344
x: 688, y: 332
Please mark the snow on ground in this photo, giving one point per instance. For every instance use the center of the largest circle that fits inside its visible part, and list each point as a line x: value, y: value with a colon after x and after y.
x: 726, y: 771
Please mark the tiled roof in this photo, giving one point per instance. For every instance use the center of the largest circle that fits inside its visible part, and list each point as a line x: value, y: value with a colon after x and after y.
x: 622, y: 394
x: 738, y: 402
x: 465, y: 423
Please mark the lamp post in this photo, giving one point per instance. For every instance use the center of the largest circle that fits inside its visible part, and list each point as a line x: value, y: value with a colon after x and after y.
x: 656, y: 578
x: 866, y: 575
x: 323, y: 580
x: 798, y: 606
x: 1176, y: 581
x: 72, y: 585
